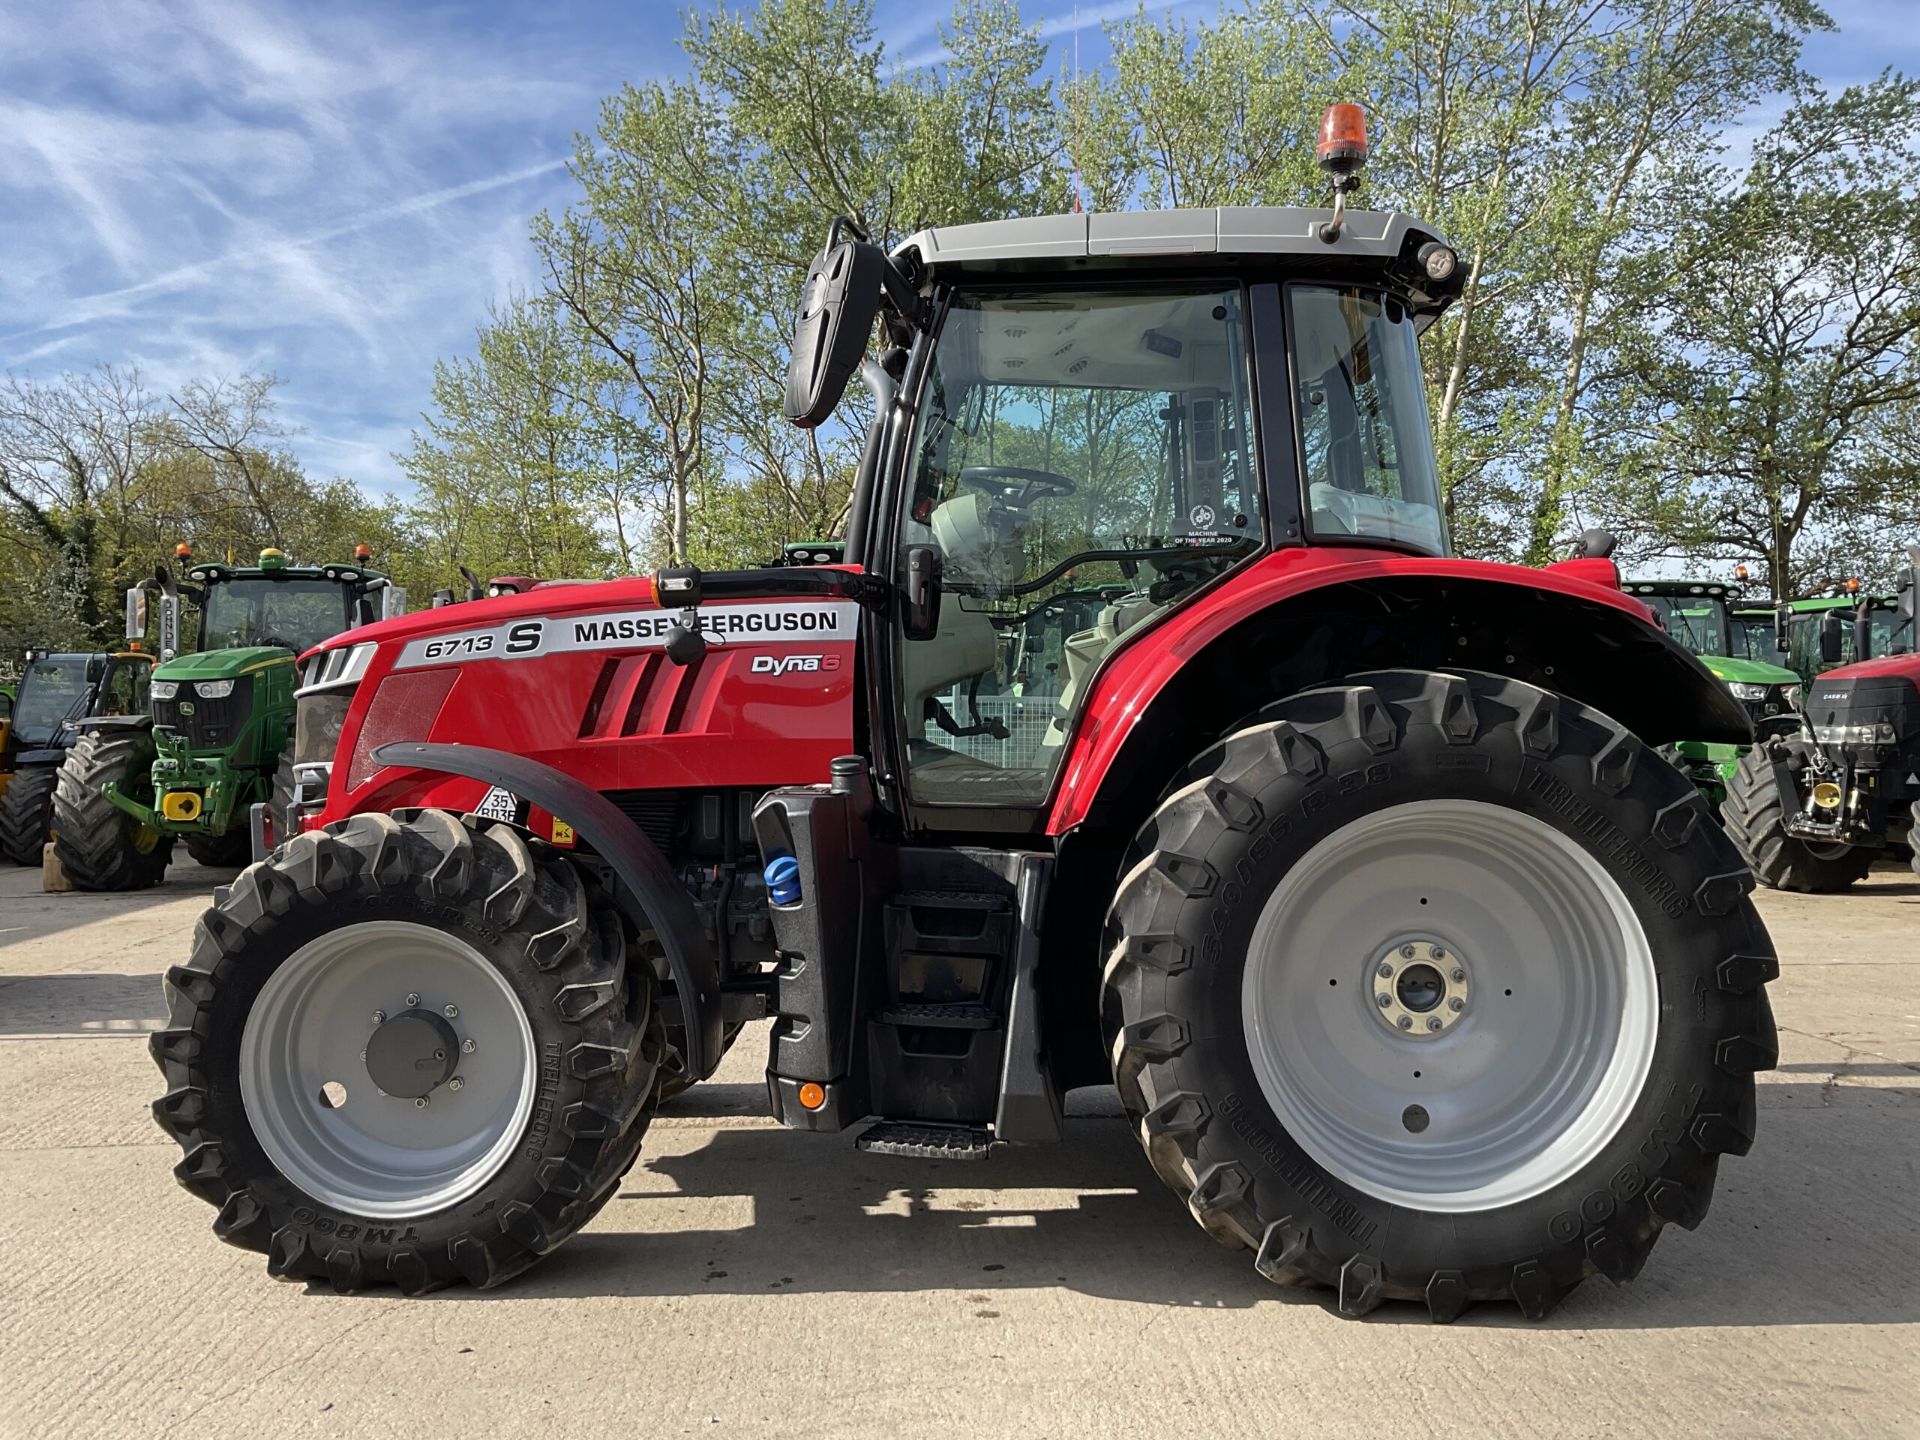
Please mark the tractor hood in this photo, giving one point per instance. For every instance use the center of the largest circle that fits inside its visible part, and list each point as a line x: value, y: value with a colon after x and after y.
x: 222, y: 664
x: 1748, y: 672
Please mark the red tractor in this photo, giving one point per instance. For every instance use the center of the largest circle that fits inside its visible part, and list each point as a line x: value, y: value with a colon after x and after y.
x: 1421, y: 976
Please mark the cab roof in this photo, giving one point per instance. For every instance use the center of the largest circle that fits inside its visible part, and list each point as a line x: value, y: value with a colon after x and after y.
x: 1125, y: 237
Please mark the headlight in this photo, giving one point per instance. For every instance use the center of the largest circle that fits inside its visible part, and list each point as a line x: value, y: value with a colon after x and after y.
x: 213, y: 689
x: 1741, y: 690
x: 164, y: 689
x: 1792, y: 692
x: 1879, y: 733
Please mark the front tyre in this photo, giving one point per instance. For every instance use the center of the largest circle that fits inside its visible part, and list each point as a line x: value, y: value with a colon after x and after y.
x: 408, y: 1051
x: 99, y: 845
x: 1755, y: 815
x: 25, y: 811
x: 226, y: 851
x: 1437, y: 987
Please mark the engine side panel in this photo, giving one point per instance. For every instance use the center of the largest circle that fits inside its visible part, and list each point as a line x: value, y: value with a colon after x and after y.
x: 577, y: 679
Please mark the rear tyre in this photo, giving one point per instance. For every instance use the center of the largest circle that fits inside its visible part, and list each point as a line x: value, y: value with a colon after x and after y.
x: 1488, y: 843
x: 99, y: 845
x: 334, y: 1139
x: 221, y: 852
x: 1756, y: 819
x: 26, y: 811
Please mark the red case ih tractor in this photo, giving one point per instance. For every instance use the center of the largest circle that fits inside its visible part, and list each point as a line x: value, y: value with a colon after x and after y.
x: 1812, y: 809
x: 1421, y: 976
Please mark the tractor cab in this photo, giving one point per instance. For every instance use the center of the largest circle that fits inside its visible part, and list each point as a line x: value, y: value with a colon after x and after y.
x: 1069, y: 449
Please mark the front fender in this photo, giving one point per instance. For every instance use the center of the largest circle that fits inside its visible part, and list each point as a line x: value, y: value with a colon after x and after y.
x: 645, y: 886
x: 1302, y: 618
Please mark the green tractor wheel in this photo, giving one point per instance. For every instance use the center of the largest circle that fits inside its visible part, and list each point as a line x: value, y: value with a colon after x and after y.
x: 98, y: 844
x: 24, y: 811
x: 221, y: 852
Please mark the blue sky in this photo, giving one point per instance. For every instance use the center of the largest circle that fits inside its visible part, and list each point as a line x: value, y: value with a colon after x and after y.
x: 334, y: 191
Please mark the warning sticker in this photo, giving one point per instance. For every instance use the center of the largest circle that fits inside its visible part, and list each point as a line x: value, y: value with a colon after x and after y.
x: 499, y: 804
x: 785, y: 622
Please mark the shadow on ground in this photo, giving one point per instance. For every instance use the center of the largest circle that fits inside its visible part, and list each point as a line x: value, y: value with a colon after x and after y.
x: 1814, y: 1228
x: 82, y: 1004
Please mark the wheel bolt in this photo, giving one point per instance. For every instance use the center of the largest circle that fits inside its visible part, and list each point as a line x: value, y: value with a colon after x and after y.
x: 456, y: 1083
x: 1433, y: 1022
x: 1457, y: 975
x: 1386, y: 970
x: 1438, y: 953
x: 379, y: 1017
x: 452, y: 1012
x: 467, y: 1047
x: 1456, y: 1004
x: 413, y: 999
x: 421, y: 1103
x: 1406, y: 1022
x: 1384, y: 999
x: 1406, y: 952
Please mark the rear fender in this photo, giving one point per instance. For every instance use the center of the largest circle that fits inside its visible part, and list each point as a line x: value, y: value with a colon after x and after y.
x: 1176, y: 688
x: 645, y: 886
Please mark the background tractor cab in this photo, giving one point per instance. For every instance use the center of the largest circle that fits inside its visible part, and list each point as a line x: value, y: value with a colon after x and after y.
x: 57, y: 693
x: 1700, y: 615
x: 216, y: 738
x: 1820, y: 634
x: 1812, y: 810
x: 1299, y: 794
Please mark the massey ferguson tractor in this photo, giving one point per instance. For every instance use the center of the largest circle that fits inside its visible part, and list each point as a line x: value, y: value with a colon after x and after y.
x: 215, y: 743
x: 1421, y: 976
x: 1812, y: 809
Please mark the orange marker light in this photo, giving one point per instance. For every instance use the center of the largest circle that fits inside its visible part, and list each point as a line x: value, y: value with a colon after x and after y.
x: 1853, y: 585
x: 183, y: 551
x: 1343, y: 139
x: 1739, y: 572
x: 363, y: 551
x: 812, y: 1095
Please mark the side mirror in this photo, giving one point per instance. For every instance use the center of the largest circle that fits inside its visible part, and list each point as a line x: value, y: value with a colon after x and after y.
x: 393, y: 601
x: 838, y: 305
x: 1832, y: 638
x: 922, y: 618
x: 137, y: 613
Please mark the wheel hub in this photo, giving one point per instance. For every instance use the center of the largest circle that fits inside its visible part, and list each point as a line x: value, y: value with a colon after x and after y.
x: 412, y: 1054
x: 1420, y: 989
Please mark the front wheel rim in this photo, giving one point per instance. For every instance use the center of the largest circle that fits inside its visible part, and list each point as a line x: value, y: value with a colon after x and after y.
x: 313, y: 1103
x: 1548, y: 1031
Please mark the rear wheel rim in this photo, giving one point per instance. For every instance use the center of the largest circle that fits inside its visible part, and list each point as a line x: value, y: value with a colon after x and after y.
x: 1541, y: 1039
x: 314, y: 1106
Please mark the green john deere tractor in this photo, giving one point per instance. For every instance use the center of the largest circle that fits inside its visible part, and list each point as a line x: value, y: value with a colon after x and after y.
x: 42, y: 723
x: 217, y: 740
x: 1698, y: 613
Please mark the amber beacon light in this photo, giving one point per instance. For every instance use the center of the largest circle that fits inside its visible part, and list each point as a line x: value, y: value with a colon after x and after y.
x: 1342, y: 153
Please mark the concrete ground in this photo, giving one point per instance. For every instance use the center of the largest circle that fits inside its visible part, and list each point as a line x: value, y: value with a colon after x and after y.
x: 751, y: 1281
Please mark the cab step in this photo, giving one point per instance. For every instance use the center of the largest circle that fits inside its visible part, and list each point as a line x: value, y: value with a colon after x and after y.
x: 960, y: 1015
x: 926, y: 1142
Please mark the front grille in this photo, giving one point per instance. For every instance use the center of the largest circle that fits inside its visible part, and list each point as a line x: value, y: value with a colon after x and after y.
x: 205, y: 724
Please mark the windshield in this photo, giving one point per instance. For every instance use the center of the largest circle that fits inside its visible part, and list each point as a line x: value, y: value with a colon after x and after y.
x: 1889, y: 633
x: 1083, y: 461
x: 1754, y: 638
x: 51, y: 691
x: 1365, y: 448
x: 1699, y: 622
x: 294, y: 614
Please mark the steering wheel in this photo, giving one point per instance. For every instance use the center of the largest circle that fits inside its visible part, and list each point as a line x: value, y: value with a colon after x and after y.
x: 1015, y: 486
